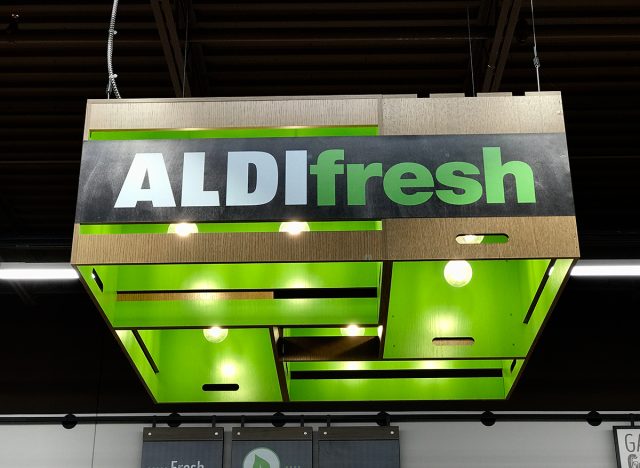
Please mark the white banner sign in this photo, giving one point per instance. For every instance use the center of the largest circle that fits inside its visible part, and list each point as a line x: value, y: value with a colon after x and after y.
x: 627, y: 440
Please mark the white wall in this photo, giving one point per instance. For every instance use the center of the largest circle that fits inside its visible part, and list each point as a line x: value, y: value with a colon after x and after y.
x: 432, y: 445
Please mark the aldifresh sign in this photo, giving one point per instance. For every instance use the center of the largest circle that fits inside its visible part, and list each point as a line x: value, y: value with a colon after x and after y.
x: 329, y: 178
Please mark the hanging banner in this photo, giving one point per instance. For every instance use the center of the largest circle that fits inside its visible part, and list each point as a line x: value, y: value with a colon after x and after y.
x: 627, y: 442
x: 189, y: 447
x: 286, y: 447
x: 359, y: 447
x: 330, y: 178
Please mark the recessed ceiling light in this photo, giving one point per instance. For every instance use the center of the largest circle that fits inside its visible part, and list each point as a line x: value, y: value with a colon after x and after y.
x: 37, y: 271
x: 606, y: 268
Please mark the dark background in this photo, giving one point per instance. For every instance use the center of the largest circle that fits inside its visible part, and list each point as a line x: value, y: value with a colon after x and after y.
x: 57, y: 355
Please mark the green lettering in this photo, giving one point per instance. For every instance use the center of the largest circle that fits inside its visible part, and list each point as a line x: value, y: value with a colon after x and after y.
x: 357, y: 177
x: 326, y: 169
x: 495, y: 172
x: 394, y: 183
x: 472, y: 189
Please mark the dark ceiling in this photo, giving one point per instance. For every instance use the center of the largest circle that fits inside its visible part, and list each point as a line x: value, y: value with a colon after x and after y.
x: 58, y: 356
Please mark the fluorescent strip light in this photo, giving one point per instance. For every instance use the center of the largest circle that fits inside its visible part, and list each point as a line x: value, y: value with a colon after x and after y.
x: 606, y: 268
x: 37, y: 272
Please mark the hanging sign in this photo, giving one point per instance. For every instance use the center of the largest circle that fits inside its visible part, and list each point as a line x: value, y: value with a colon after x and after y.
x: 330, y: 178
x: 359, y: 447
x: 190, y: 447
x: 627, y: 442
x: 286, y: 447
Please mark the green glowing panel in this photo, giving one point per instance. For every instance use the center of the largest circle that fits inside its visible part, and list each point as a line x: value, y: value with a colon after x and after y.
x: 490, y: 310
x: 228, y: 227
x: 235, y: 312
x: 243, y: 313
x: 458, y: 387
x: 186, y: 361
x: 185, y: 134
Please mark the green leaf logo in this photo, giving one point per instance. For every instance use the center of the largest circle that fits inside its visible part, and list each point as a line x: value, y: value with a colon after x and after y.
x: 260, y: 462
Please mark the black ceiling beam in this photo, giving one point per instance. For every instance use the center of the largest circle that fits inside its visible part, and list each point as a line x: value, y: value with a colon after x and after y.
x: 195, y: 57
x: 165, y: 22
x: 479, y: 48
x: 499, y: 53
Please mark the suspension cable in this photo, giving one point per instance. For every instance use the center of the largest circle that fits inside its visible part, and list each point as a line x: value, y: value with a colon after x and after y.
x: 111, y: 84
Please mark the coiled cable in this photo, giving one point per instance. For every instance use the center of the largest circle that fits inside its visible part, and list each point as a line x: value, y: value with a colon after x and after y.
x: 111, y: 85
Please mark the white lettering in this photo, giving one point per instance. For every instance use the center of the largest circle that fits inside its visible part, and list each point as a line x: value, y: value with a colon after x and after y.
x: 159, y: 193
x: 238, y: 178
x: 296, y: 178
x: 193, y: 193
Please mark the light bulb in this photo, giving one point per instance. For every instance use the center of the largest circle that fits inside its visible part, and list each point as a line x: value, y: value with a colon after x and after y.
x: 458, y: 273
x: 294, y: 227
x: 470, y: 239
x: 183, y: 229
x: 228, y: 369
x: 352, y: 330
x: 215, y: 334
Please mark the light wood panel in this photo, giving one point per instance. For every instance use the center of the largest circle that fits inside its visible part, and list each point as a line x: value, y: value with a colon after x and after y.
x: 400, y: 239
x: 435, y: 238
x: 193, y: 296
x: 480, y: 115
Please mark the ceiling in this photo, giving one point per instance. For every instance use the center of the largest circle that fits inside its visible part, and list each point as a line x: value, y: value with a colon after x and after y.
x: 57, y: 354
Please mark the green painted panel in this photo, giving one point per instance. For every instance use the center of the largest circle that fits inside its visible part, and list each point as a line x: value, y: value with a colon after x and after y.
x: 243, y: 312
x: 237, y: 312
x: 185, y: 134
x: 490, y: 309
x: 187, y: 361
x: 228, y: 227
x: 484, y: 388
x: 186, y: 277
x: 464, y: 388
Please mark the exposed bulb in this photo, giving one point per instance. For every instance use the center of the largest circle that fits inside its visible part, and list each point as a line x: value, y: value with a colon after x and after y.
x: 352, y: 330
x: 183, y: 229
x: 215, y: 334
x: 458, y: 273
x: 471, y: 239
x: 294, y: 227
x: 228, y: 370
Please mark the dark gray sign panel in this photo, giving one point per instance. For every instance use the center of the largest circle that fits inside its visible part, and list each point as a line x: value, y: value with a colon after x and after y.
x: 359, y: 447
x: 286, y: 447
x: 189, y: 447
x: 324, y: 178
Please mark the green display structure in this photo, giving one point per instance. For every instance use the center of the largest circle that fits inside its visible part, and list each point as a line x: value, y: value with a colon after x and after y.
x: 319, y: 331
